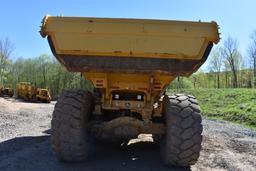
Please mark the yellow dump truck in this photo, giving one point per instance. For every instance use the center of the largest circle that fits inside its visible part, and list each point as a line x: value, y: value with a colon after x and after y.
x: 130, y: 63
x: 25, y: 91
x: 6, y: 91
x: 29, y: 92
x: 43, y: 95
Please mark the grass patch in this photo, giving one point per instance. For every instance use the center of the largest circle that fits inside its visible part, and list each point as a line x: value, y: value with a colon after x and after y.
x: 236, y: 105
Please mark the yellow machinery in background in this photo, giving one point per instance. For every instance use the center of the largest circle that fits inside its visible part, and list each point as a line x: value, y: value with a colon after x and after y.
x: 29, y: 92
x: 43, y: 95
x: 6, y: 91
x: 25, y: 91
x: 130, y: 63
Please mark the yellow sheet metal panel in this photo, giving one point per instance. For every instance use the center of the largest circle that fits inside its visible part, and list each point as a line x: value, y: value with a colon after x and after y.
x: 151, y: 85
x: 129, y: 37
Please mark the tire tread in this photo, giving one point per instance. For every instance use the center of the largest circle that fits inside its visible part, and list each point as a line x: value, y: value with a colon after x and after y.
x: 182, y: 142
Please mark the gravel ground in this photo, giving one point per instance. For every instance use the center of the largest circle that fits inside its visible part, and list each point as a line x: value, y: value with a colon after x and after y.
x: 25, y: 145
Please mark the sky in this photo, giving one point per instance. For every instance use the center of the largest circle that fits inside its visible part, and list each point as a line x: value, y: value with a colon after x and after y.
x: 20, y: 20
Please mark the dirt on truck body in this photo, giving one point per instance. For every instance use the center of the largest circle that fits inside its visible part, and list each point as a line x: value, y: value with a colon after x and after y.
x: 130, y: 62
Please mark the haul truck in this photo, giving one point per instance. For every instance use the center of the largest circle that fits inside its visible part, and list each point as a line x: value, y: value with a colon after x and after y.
x: 130, y: 63
x: 28, y: 92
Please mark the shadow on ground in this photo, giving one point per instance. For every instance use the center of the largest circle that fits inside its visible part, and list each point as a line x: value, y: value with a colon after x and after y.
x: 34, y: 153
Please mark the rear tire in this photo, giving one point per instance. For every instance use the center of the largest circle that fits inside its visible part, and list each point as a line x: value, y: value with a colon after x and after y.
x: 69, y: 136
x: 181, y: 144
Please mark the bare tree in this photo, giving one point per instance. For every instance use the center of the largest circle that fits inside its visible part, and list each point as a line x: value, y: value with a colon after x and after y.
x: 231, y: 54
x: 227, y: 71
x: 216, y: 62
x: 252, y: 55
x: 6, y: 48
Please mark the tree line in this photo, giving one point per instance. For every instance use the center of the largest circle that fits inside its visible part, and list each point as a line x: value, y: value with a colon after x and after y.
x: 43, y: 71
x: 227, y: 69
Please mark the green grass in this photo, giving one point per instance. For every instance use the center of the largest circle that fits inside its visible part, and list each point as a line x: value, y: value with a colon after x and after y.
x: 236, y: 105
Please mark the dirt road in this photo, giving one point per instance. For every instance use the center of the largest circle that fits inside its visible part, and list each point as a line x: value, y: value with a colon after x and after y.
x: 25, y: 145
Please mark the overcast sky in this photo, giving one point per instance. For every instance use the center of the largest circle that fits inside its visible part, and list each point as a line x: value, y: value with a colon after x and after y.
x: 20, y: 20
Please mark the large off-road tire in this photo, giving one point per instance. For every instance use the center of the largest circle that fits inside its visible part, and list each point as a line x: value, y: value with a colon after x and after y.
x: 69, y: 136
x: 181, y: 144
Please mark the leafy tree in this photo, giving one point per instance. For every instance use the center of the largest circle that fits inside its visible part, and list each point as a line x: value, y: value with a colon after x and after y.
x: 6, y: 48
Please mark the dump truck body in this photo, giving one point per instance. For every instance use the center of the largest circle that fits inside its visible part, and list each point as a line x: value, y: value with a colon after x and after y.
x: 130, y: 63
x: 121, y: 45
x: 25, y: 91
